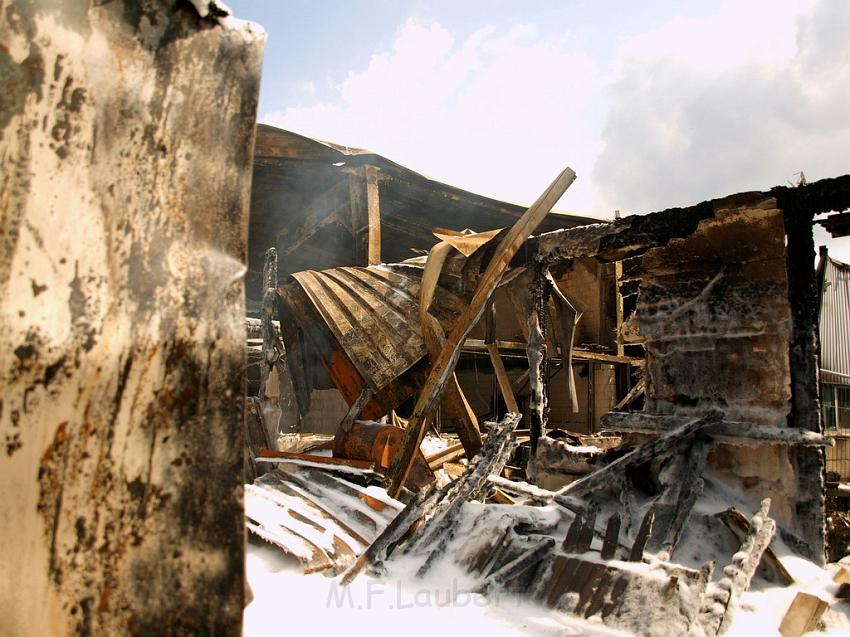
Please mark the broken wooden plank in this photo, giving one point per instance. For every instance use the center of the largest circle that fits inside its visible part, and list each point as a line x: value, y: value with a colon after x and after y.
x: 455, y: 405
x: 443, y: 366
x: 741, y: 433
x: 803, y: 615
x: 674, y: 506
x: 529, y: 558
x: 655, y: 448
x: 636, y: 554
x: 612, y: 537
x: 739, y: 525
x: 502, y: 378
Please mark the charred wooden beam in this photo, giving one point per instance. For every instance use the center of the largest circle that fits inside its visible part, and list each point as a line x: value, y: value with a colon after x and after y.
x: 395, y: 531
x: 433, y: 536
x: 739, y: 526
x: 443, y: 367
x: 733, y: 432
x: 622, y: 238
x: 613, y: 473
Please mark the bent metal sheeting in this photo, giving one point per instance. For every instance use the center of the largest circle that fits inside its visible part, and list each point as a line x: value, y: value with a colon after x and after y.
x: 373, y: 313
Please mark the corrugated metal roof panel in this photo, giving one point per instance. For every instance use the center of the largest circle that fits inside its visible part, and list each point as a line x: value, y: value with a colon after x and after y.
x: 835, y: 323
x: 374, y: 314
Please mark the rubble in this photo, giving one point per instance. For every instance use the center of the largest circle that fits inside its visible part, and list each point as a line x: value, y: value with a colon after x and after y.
x: 609, y: 526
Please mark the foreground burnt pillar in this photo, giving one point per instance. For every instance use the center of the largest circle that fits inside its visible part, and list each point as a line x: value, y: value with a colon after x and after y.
x: 126, y: 132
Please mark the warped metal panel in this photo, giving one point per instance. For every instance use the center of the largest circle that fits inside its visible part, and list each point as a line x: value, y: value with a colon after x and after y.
x: 835, y: 323
x: 374, y: 314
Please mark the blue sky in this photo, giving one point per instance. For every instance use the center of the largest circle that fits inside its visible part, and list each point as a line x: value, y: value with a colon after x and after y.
x: 654, y: 104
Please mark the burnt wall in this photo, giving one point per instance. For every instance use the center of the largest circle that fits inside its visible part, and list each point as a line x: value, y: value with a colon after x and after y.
x: 713, y: 314
x: 126, y: 135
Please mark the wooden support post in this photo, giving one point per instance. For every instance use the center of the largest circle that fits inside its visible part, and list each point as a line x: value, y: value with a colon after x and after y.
x: 373, y: 215
x: 443, y: 366
x: 364, y: 194
x: 270, y: 390
x: 537, y: 359
x: 803, y: 358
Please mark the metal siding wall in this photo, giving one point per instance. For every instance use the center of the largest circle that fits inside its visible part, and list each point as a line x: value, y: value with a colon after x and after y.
x: 835, y: 323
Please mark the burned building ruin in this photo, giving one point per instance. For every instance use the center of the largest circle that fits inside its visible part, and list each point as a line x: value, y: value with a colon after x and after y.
x: 207, y: 333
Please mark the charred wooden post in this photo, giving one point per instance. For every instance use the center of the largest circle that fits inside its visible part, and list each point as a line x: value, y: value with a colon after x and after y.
x: 126, y: 131
x: 443, y: 366
x: 612, y: 536
x: 270, y: 380
x: 645, y: 530
x: 803, y: 353
x: 537, y: 360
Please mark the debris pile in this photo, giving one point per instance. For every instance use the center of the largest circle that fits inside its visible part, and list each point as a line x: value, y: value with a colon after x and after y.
x: 699, y: 479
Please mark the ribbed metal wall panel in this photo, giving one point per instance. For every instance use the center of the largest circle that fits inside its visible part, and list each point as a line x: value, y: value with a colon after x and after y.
x: 835, y: 323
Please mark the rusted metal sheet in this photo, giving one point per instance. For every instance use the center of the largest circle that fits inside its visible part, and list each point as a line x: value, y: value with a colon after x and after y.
x: 373, y: 313
x: 378, y: 443
x: 834, y: 322
x: 126, y: 132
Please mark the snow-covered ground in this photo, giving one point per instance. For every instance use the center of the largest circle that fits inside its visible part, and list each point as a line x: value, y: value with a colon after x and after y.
x: 289, y: 603
x: 286, y: 602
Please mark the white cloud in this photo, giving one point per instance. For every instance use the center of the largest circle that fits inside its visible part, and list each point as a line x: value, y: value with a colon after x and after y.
x: 500, y: 113
x: 740, y: 100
